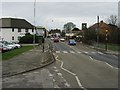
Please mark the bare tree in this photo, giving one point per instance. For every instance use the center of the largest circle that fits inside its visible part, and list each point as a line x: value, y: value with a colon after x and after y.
x: 112, y: 20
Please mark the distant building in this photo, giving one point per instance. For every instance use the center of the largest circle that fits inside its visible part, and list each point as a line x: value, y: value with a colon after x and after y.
x: 40, y: 30
x: 11, y: 29
x: 84, y: 26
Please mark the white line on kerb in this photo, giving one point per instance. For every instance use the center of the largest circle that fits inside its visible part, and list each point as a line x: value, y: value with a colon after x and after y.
x: 76, y: 77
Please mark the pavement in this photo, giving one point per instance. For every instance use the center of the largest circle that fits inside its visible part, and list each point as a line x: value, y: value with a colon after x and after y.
x: 27, y: 61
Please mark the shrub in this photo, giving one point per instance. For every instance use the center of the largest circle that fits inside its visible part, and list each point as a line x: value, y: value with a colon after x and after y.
x: 28, y: 39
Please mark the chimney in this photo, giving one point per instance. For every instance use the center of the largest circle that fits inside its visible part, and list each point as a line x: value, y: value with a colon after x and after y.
x: 101, y: 21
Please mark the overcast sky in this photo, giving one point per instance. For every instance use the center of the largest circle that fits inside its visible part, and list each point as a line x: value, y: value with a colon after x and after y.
x: 56, y: 14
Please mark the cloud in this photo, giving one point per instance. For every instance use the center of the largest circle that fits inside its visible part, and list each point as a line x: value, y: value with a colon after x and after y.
x: 60, y: 12
x: 60, y: 0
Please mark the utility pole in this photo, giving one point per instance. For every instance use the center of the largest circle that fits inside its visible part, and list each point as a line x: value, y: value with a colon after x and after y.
x: 97, y: 31
x: 44, y: 36
x: 34, y: 24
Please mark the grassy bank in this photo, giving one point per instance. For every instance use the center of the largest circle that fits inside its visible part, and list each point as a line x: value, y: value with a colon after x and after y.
x: 112, y: 47
x: 15, y: 52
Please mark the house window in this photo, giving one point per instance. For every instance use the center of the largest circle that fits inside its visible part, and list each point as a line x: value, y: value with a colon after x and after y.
x: 12, y: 29
x: 12, y: 37
x: 19, y: 30
x: 32, y: 30
x: 26, y: 30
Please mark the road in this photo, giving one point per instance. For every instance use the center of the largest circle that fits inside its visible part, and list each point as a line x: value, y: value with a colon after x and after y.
x: 75, y: 67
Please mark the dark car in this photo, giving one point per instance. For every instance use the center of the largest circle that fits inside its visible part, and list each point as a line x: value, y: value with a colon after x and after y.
x: 72, y: 42
x: 3, y: 49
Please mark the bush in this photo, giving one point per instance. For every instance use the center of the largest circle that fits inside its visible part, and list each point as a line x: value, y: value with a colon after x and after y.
x: 28, y: 39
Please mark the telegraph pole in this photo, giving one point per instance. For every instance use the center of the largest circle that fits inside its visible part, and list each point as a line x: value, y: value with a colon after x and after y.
x: 34, y: 24
x: 97, y: 31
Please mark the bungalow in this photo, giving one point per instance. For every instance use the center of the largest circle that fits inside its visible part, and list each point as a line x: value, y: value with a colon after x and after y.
x: 11, y: 29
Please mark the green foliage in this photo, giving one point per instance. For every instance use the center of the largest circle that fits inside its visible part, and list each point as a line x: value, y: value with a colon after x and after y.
x: 28, y: 39
x: 89, y: 36
x: 63, y: 33
x: 68, y: 26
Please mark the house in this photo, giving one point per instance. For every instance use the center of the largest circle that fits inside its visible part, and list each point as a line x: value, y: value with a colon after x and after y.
x: 11, y: 29
x: 101, y: 27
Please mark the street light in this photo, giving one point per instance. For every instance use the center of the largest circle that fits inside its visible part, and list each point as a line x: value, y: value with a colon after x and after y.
x: 106, y: 38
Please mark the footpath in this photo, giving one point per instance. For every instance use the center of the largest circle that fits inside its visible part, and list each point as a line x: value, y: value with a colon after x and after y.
x: 28, y: 61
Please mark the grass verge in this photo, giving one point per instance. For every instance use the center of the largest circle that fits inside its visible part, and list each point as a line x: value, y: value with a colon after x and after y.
x: 112, y: 47
x: 15, y: 52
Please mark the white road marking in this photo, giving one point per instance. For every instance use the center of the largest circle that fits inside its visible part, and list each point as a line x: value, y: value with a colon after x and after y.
x: 76, y: 77
x: 72, y: 52
x: 91, y: 58
x: 109, y: 65
x: 103, y: 62
x: 79, y: 52
x: 65, y: 52
x: 66, y: 69
x: 100, y: 53
x: 35, y: 72
x: 53, y: 80
x: 86, y: 52
x: 59, y: 74
x: 66, y: 84
x: 56, y: 86
x: 50, y: 75
x: 93, y: 52
x: 57, y: 51
x: 78, y: 81
x: 54, y: 67
x: 56, y: 70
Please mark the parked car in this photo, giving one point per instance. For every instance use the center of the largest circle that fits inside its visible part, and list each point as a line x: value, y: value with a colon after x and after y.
x: 7, y: 46
x: 16, y: 44
x: 3, y: 49
x: 11, y: 44
x: 72, y: 42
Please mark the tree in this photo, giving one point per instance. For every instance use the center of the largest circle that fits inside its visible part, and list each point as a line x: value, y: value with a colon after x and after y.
x: 112, y: 20
x: 28, y: 38
x: 69, y: 26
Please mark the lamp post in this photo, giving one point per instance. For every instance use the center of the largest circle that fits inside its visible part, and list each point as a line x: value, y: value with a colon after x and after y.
x: 106, y: 38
